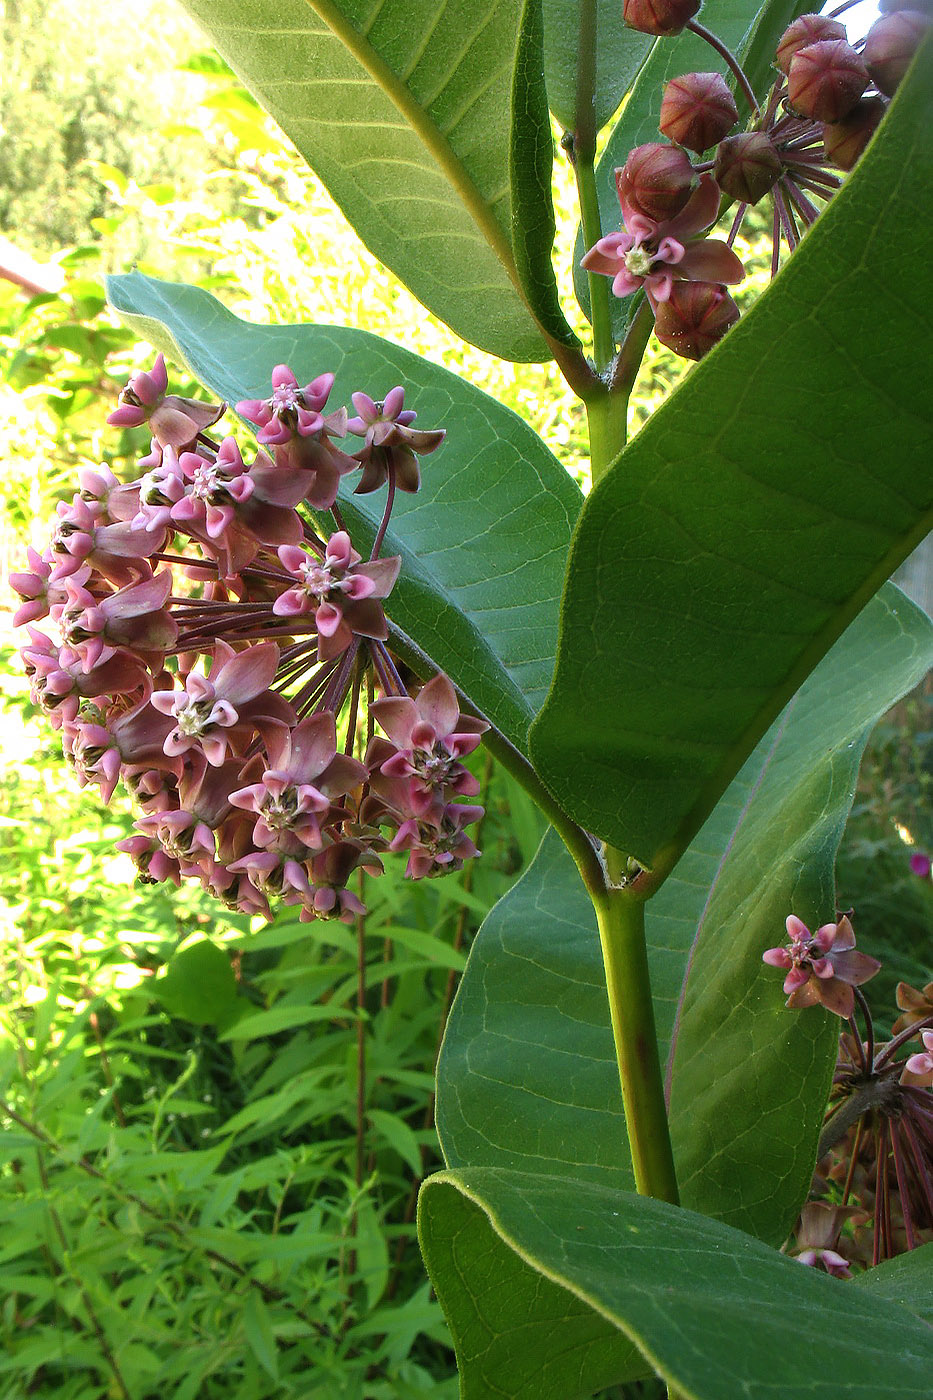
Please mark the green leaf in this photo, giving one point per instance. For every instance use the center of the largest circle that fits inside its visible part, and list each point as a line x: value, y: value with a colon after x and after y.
x: 527, y: 1077
x: 717, y: 1314
x: 197, y: 983
x: 399, y: 1136
x: 280, y: 1018
x: 531, y: 156
x: 906, y: 1279
x: 620, y: 53
x: 404, y: 111
x: 372, y: 1251
x: 259, y: 1333
x: 752, y: 517
x: 751, y: 34
x: 483, y: 543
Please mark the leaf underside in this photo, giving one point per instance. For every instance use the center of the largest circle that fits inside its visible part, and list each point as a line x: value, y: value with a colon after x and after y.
x: 403, y: 109
x: 718, y: 1315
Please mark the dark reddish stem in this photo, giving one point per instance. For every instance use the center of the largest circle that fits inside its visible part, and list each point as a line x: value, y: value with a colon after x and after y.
x: 909, y: 1033
x: 390, y: 502
x: 902, y: 1186
x: 878, y: 1214
x: 921, y: 1170
x: 869, y: 1053
x: 856, y: 1144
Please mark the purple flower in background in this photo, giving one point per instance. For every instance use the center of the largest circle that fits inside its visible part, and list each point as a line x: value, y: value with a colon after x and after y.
x: 920, y: 865
x: 823, y: 966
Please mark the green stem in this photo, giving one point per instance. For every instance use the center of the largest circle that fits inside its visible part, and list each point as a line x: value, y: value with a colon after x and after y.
x: 621, y: 917
x: 607, y: 414
x: 603, y: 339
x: 583, y: 152
x: 607, y: 419
x: 573, y: 836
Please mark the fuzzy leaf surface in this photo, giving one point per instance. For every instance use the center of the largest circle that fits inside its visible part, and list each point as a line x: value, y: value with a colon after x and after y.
x: 527, y: 1077
x: 752, y: 517
x: 483, y: 543
x: 717, y: 1314
x: 907, y: 1279
x: 404, y: 110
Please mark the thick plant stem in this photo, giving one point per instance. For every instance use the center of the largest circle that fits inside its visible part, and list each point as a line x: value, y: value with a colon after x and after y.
x: 621, y: 917
x: 607, y: 418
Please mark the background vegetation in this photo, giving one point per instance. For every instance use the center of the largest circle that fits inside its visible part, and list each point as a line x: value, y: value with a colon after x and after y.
x: 213, y: 1130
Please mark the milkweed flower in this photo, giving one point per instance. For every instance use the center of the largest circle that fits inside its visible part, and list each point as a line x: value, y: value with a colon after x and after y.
x: 920, y: 1066
x: 653, y: 255
x: 173, y: 421
x: 822, y: 967
x: 391, y: 445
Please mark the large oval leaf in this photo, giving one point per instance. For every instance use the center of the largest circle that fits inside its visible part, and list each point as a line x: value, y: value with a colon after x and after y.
x: 405, y: 111
x: 527, y: 1077
x: 753, y: 516
x: 485, y: 540
x: 717, y: 1314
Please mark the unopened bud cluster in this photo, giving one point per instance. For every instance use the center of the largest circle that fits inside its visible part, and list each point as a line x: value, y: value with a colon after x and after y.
x: 821, y: 112
x: 205, y: 639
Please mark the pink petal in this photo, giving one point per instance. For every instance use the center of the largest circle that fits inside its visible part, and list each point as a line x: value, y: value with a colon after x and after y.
x: 247, y: 674
x: 438, y: 704
x: 710, y: 260
x: 700, y: 212
x: 394, y: 402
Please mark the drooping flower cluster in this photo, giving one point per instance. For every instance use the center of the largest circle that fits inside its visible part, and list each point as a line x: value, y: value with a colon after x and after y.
x: 877, y: 1141
x: 823, y: 109
x: 875, y: 1166
x: 207, y: 645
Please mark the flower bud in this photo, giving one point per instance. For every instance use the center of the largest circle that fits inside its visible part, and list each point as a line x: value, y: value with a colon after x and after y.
x: 890, y: 45
x: 747, y: 166
x: 694, y: 317
x: 658, y: 17
x: 825, y: 80
x: 808, y: 29
x: 656, y: 180
x: 697, y: 110
x: 845, y: 141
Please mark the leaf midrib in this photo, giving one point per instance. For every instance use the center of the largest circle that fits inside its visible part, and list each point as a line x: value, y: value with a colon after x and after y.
x: 438, y: 145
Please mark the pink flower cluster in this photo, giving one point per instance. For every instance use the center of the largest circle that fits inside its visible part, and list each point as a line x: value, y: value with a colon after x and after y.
x: 208, y: 647
x: 823, y: 109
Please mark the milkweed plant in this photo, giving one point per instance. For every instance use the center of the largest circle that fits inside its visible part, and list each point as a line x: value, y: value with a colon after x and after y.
x: 664, y: 1158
